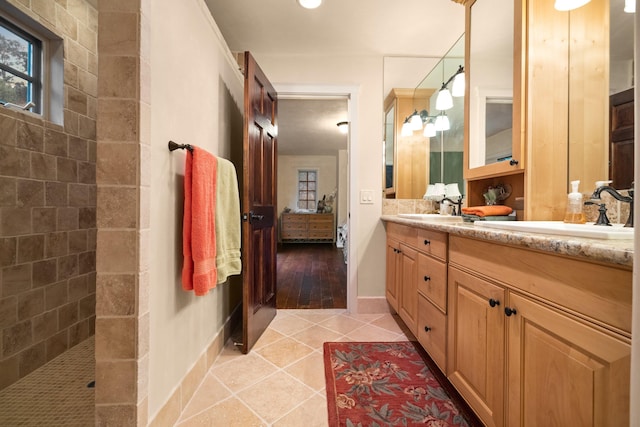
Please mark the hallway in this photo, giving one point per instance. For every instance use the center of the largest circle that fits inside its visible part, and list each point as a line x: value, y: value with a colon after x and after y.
x: 311, y: 275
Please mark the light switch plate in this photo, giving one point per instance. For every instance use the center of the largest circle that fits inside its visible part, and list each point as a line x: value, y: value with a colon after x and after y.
x: 366, y: 197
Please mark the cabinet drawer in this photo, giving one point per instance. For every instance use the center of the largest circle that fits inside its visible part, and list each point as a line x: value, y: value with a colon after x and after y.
x: 433, y: 243
x: 294, y: 234
x: 294, y: 226
x: 293, y: 218
x: 319, y: 234
x: 432, y: 331
x: 316, y: 225
x: 432, y: 280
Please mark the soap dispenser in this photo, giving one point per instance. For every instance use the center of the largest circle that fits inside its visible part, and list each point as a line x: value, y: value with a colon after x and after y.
x: 574, y: 213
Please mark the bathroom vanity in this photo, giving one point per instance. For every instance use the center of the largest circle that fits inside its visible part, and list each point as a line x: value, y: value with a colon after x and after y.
x: 527, y: 327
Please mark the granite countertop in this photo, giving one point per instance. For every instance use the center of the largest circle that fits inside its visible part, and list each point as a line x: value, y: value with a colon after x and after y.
x: 607, y: 251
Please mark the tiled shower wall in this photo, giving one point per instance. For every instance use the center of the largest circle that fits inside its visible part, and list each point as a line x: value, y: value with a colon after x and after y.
x: 48, y: 205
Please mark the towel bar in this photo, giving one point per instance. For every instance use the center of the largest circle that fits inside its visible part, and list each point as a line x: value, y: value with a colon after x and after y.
x: 174, y: 146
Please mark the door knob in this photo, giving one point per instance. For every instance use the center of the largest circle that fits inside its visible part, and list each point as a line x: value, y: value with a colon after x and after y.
x: 509, y: 311
x: 493, y: 302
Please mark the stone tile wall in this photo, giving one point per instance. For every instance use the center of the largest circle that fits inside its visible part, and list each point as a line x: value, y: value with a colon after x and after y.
x: 48, y: 205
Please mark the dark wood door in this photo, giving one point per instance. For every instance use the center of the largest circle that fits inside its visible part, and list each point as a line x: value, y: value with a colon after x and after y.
x: 259, y: 203
x: 621, y: 139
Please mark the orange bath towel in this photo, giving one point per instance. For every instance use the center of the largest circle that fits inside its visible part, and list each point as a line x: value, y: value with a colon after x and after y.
x: 492, y: 210
x: 198, y: 230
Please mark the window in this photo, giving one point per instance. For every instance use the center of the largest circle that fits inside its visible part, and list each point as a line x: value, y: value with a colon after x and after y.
x: 307, y: 189
x: 20, y: 67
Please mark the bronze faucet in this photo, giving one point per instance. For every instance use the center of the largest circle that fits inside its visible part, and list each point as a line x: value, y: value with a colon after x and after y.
x: 616, y: 195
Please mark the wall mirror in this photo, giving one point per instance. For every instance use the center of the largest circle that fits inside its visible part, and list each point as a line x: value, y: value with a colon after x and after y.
x: 441, y: 155
x: 490, y: 68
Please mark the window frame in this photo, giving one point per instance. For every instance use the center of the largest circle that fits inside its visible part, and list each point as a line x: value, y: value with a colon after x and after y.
x: 307, y: 201
x: 35, y: 93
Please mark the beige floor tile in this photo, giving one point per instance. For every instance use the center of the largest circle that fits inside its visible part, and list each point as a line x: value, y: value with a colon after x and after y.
x: 287, y: 327
x: 317, y: 316
x: 343, y: 324
x: 229, y: 413
x: 229, y: 352
x: 284, y: 352
x: 371, y: 333
x: 309, y: 370
x: 316, y: 335
x: 210, y: 392
x: 243, y: 372
x: 268, y: 337
x: 391, y: 323
x: 311, y: 413
x: 275, y: 396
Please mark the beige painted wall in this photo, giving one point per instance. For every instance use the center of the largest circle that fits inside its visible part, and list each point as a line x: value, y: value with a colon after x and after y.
x: 343, y: 193
x: 367, y: 236
x: 200, y: 103
x: 288, y: 167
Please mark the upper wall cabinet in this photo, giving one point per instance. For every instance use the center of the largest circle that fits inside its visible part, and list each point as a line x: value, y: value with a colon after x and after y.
x: 492, y: 145
x: 560, y: 101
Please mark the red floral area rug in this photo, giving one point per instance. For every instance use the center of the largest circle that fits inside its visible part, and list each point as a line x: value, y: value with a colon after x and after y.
x: 388, y: 384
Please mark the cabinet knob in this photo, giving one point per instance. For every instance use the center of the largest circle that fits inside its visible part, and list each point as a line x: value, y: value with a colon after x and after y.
x: 493, y: 302
x: 513, y: 162
x: 427, y: 242
x: 427, y: 329
x: 427, y: 278
x: 509, y: 311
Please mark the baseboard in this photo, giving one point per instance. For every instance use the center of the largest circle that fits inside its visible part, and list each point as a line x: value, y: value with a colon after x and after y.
x: 372, y: 305
x: 170, y: 412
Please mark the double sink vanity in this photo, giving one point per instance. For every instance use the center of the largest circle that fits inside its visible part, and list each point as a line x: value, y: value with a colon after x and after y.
x: 531, y: 328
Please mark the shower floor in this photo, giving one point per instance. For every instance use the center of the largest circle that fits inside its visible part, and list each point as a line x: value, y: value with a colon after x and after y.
x: 55, y: 394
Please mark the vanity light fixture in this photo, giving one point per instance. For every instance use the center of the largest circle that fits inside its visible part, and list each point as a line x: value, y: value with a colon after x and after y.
x: 309, y: 4
x: 565, y: 5
x: 416, y: 121
x: 630, y: 6
x: 429, y: 129
x: 343, y: 127
x: 406, y: 130
x: 444, y: 101
x: 458, y: 85
x: 442, y: 123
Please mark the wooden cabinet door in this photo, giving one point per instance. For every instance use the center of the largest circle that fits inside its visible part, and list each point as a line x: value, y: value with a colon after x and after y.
x: 476, y: 344
x: 393, y: 271
x: 563, y: 372
x: 408, y: 300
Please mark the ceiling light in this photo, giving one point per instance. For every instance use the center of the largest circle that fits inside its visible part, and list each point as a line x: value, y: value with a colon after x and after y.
x: 309, y: 4
x: 343, y: 127
x: 444, y: 101
x: 564, y: 5
x: 630, y: 6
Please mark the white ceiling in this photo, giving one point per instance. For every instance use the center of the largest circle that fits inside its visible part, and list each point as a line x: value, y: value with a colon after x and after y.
x: 398, y: 28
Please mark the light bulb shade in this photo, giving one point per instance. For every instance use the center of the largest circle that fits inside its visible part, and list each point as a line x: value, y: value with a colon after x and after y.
x: 630, y: 6
x: 343, y: 127
x: 309, y: 4
x: 442, y: 123
x: 444, y: 101
x: 452, y: 190
x: 457, y: 89
x: 406, y: 129
x: 429, y: 130
x: 416, y: 122
x: 565, y: 5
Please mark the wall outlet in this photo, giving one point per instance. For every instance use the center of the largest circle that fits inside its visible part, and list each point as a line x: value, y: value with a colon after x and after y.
x: 366, y: 197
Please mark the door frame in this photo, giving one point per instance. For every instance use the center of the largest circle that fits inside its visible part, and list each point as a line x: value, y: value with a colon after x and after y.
x: 289, y: 91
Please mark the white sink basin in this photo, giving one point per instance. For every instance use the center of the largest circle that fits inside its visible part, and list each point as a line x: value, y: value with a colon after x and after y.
x: 432, y: 217
x: 616, y: 231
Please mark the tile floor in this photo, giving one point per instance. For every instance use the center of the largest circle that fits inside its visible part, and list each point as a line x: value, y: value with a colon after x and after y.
x: 281, y: 381
x: 55, y: 394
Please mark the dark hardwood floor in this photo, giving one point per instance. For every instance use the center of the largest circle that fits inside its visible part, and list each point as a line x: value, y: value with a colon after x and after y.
x: 311, y: 275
